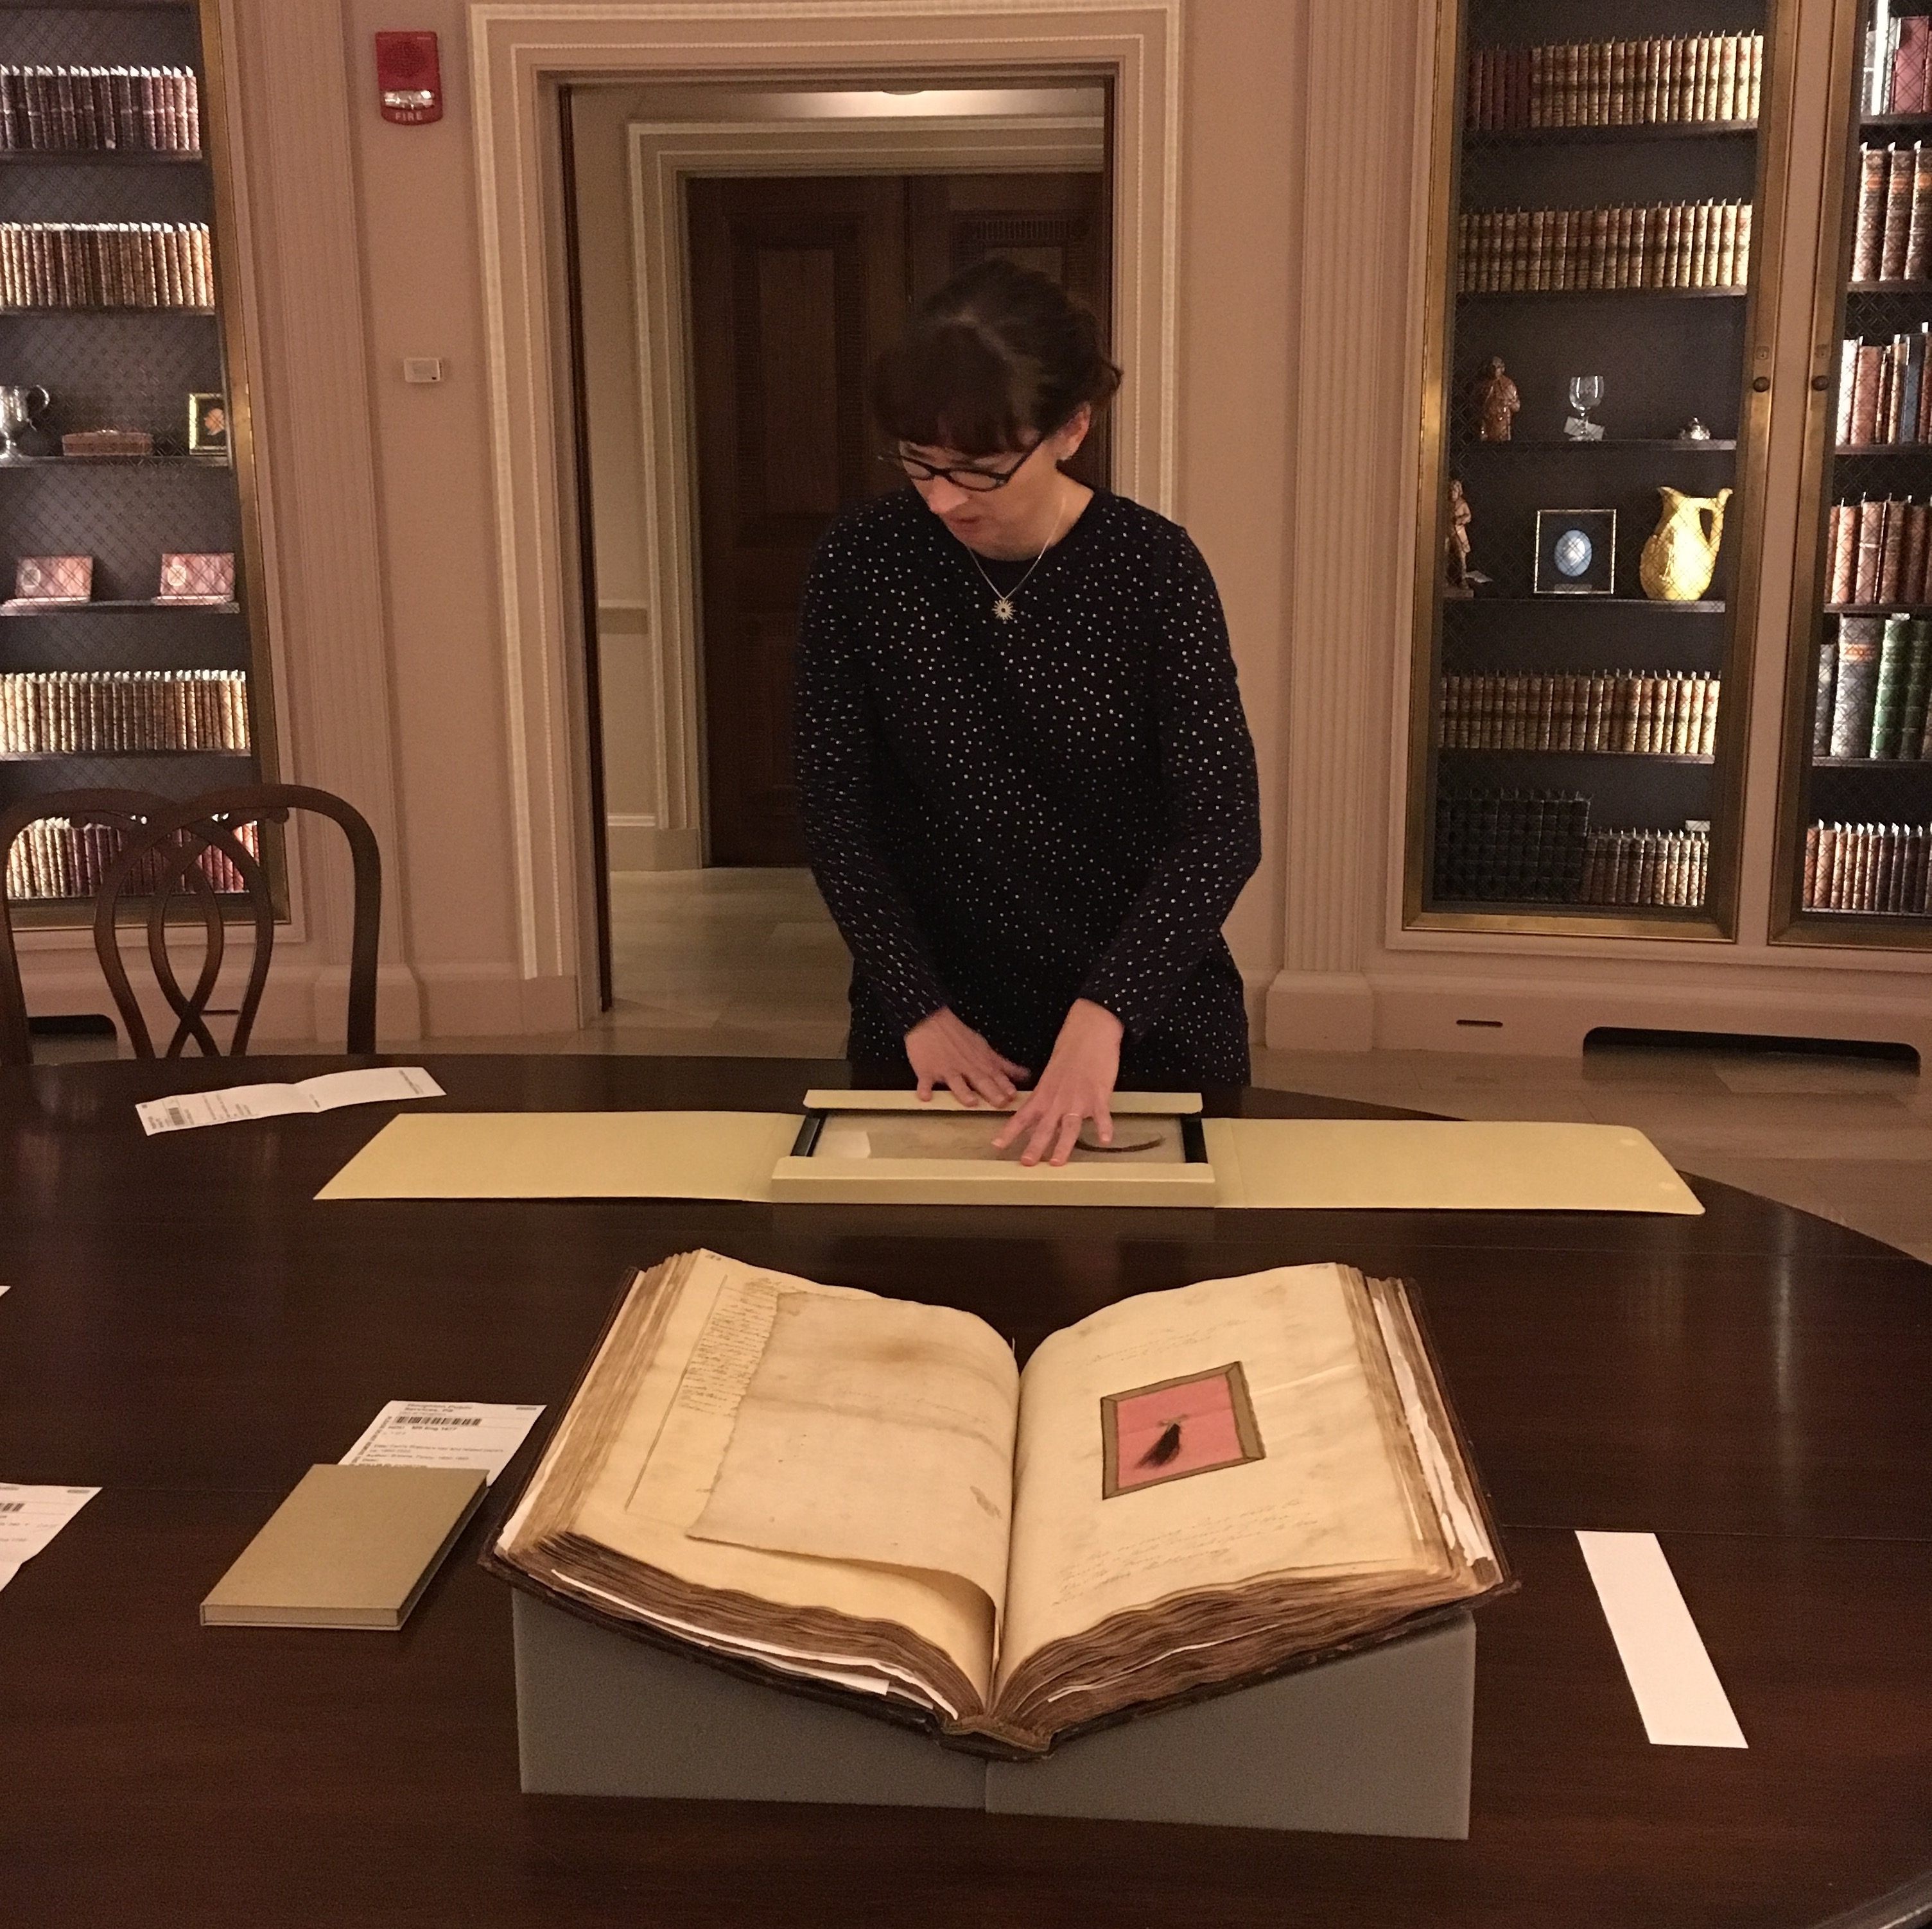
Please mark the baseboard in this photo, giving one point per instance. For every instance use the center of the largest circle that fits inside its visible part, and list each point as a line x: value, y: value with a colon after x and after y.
x: 494, y: 1001
x: 639, y: 843
x: 1546, y: 1017
x: 1321, y: 1012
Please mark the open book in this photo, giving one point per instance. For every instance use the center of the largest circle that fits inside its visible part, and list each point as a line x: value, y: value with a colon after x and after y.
x: 864, y: 1496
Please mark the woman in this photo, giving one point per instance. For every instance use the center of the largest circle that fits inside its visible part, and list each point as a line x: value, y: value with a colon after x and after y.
x: 1027, y: 787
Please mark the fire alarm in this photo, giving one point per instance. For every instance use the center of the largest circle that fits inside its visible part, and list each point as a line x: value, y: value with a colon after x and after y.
x: 409, y: 76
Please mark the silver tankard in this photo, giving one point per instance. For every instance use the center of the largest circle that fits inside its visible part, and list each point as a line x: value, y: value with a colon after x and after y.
x: 18, y: 409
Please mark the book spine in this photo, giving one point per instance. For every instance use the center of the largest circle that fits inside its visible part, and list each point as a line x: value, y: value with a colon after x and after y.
x: 1821, y: 715
x: 1871, y: 530
x: 1898, y: 187
x: 1857, y: 688
x: 1917, y: 690
x: 1868, y: 244
x: 1892, y: 552
x: 1889, y: 703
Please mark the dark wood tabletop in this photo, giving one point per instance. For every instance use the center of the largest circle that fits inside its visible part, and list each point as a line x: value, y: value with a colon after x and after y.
x: 189, y: 1330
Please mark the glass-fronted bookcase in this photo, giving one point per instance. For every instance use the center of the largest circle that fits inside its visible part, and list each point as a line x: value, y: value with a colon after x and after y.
x: 133, y: 651
x: 1853, y: 865
x: 1604, y: 234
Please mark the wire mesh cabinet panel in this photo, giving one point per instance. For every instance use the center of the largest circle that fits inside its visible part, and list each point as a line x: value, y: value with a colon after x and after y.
x: 1596, y: 399
x: 131, y: 650
x: 1854, y: 855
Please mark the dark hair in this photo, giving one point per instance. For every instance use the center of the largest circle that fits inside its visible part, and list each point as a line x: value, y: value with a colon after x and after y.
x: 999, y: 352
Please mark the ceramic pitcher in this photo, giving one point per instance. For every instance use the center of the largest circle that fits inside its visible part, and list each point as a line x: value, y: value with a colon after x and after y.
x: 1682, y: 556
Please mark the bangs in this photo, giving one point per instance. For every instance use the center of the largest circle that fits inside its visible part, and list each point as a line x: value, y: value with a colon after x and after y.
x: 945, y: 387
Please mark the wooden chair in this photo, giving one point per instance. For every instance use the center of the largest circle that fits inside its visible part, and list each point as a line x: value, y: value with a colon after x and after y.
x: 163, y: 842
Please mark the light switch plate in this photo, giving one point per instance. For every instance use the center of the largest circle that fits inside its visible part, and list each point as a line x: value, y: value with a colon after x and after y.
x: 422, y: 368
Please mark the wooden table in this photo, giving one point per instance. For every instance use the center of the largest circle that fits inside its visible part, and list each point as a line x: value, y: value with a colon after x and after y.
x: 189, y: 1331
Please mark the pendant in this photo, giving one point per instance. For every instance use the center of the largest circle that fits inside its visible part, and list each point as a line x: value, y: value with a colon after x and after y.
x: 1003, y: 608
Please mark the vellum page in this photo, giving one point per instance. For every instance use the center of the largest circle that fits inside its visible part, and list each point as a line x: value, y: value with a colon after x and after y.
x: 874, y: 1430
x: 657, y: 1478
x: 1325, y: 1499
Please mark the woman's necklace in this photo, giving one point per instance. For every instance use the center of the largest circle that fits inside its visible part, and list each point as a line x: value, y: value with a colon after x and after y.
x: 1003, y: 602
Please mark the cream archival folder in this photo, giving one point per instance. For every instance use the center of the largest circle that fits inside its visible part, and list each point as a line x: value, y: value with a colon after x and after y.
x: 886, y: 1148
x: 352, y: 1546
x: 1441, y: 1165
x: 570, y: 1155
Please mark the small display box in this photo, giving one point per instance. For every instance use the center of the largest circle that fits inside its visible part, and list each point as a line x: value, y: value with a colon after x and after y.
x: 893, y: 1147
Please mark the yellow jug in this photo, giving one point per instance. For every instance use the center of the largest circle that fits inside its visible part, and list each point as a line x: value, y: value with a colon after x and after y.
x: 1680, y: 557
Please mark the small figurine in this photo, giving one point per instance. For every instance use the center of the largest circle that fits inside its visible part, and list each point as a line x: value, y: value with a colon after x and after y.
x: 1497, y: 401
x: 1693, y: 431
x: 1459, y: 580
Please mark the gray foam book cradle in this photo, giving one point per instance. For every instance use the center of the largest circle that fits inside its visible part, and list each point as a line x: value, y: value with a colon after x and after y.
x: 1375, y: 1743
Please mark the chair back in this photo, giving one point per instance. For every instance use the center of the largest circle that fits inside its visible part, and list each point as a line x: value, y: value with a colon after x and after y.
x: 119, y: 811
x: 172, y: 854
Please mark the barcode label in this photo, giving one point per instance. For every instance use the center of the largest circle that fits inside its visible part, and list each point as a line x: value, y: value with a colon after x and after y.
x: 12, y: 1507
x: 435, y: 1420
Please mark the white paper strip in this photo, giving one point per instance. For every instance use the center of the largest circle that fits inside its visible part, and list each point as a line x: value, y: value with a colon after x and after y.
x: 1678, y: 1694
x: 375, y: 1083
x: 443, y: 1433
x: 30, y: 1516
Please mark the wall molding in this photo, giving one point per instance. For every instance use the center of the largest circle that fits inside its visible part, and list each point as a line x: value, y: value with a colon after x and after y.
x: 661, y: 156
x: 1350, y: 459
x: 520, y: 50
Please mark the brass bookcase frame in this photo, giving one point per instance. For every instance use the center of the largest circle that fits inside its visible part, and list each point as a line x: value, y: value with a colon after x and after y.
x: 1791, y: 923
x: 220, y: 159
x: 1719, y: 924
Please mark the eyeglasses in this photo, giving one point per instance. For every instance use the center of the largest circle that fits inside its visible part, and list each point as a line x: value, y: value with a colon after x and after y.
x: 976, y: 482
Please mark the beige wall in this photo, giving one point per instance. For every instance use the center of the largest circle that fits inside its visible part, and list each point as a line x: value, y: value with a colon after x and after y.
x: 416, y: 214
x: 416, y: 217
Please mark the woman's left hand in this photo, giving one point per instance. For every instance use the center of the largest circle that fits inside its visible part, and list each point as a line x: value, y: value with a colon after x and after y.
x: 1077, y: 1084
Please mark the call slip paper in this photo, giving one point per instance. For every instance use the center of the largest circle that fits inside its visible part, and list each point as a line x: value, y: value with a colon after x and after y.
x: 443, y: 1433
x: 30, y: 1516
x: 1678, y: 1694
x: 324, y: 1094
x: 352, y: 1546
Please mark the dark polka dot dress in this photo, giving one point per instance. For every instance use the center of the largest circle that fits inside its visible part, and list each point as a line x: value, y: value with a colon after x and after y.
x: 1004, y: 816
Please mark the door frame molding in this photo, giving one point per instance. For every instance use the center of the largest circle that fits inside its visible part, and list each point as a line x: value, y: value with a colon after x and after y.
x: 521, y: 51
x: 663, y: 156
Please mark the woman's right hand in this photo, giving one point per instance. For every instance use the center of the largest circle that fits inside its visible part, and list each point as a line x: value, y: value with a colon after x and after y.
x: 946, y: 1050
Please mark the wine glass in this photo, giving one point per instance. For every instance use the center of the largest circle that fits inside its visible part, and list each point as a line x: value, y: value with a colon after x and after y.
x: 1586, y: 392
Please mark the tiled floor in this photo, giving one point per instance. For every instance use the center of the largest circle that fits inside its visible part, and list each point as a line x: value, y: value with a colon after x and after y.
x: 747, y: 962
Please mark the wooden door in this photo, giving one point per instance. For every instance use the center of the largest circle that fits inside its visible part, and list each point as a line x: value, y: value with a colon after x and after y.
x: 1054, y: 222
x: 795, y: 284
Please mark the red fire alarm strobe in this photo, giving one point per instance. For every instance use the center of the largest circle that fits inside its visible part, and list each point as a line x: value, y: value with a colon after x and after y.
x: 409, y: 76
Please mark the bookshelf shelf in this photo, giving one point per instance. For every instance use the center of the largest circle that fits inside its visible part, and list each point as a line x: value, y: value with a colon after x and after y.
x: 1920, y: 764
x: 162, y: 460
x: 1878, y: 609
x: 1547, y: 444
x: 97, y: 157
x: 1894, y: 123
x: 1634, y: 131
x: 1853, y: 451
x: 104, y: 607
x: 1528, y: 750
x: 1608, y: 294
x: 1704, y: 608
x: 121, y: 308
x: 117, y: 756
x: 1888, y: 288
